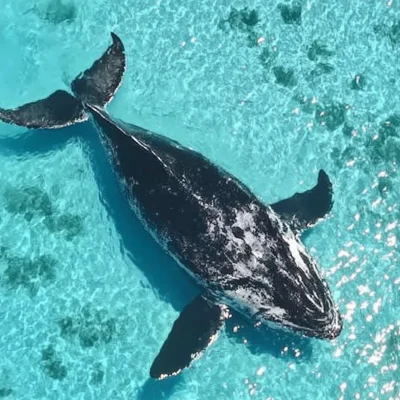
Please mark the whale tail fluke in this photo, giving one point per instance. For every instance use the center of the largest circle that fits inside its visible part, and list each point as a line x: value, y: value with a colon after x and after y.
x: 96, y: 86
x: 55, y: 111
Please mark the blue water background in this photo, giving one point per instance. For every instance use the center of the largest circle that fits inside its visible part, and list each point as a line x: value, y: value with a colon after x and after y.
x: 212, y: 87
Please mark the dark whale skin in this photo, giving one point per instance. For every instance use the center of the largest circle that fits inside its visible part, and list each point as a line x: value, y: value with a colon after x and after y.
x: 219, y: 231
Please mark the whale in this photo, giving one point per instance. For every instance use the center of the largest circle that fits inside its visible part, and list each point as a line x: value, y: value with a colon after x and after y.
x: 245, y: 255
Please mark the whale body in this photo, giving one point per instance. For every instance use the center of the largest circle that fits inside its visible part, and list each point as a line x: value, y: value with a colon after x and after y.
x: 246, y: 256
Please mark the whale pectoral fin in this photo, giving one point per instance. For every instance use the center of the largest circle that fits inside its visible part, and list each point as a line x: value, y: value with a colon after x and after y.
x: 97, y: 85
x: 303, y: 210
x: 194, y: 330
x: 55, y: 111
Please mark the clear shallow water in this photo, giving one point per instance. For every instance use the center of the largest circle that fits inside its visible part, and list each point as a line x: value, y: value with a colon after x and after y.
x: 86, y: 296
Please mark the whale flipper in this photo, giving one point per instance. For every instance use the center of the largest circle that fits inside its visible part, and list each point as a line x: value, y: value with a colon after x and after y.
x: 55, y: 111
x: 303, y: 210
x: 193, y: 331
x: 98, y: 84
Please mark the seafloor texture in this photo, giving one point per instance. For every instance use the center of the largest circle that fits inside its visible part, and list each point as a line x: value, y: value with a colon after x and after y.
x: 271, y: 91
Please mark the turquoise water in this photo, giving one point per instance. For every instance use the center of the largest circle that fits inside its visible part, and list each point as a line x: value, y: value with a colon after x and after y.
x: 87, y: 297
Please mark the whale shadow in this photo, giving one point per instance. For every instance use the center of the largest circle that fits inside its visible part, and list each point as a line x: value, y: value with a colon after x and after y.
x: 163, y: 274
x: 163, y: 389
x: 172, y: 284
x: 36, y: 142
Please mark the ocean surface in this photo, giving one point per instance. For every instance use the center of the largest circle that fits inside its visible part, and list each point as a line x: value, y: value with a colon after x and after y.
x: 273, y: 92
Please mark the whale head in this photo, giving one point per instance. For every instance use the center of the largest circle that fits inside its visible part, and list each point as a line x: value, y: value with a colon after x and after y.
x: 301, y: 299
x: 302, y: 302
x: 287, y: 290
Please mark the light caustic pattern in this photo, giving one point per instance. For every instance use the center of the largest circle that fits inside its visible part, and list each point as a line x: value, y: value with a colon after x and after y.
x: 272, y: 92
